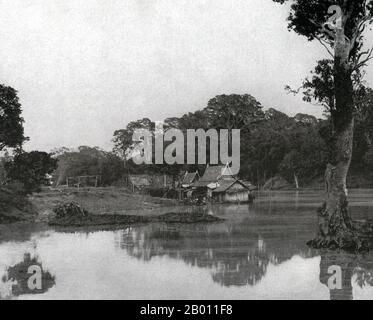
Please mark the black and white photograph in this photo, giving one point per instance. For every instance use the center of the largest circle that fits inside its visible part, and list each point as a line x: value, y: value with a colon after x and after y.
x: 186, y: 155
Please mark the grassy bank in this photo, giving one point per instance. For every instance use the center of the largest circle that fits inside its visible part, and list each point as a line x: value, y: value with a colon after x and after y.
x: 104, y: 201
x: 15, y: 207
x: 112, y: 207
x: 72, y: 215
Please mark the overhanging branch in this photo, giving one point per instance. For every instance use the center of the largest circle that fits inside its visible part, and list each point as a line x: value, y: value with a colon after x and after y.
x: 324, y: 44
x: 363, y: 62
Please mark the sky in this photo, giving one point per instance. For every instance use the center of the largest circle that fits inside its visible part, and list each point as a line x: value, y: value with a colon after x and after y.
x: 85, y: 68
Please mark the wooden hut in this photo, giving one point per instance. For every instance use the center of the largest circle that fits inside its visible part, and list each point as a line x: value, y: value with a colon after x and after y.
x: 189, y: 178
x: 232, y: 191
x: 218, y: 184
x: 185, y: 187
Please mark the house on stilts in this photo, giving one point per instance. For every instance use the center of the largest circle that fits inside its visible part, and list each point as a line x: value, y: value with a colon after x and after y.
x: 219, y: 185
x: 186, y: 184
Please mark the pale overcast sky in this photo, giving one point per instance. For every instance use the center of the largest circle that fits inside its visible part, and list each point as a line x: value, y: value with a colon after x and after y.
x: 84, y: 68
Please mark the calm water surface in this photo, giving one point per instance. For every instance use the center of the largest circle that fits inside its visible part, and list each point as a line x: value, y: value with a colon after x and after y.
x: 258, y: 252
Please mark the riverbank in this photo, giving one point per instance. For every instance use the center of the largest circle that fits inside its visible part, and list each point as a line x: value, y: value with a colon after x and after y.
x: 38, y: 207
x: 264, y: 243
x: 355, y: 180
x: 15, y: 207
x: 97, y: 207
x: 103, y: 201
x: 72, y: 215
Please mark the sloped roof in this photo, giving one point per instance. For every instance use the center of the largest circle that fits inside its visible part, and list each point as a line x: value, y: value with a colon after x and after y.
x: 189, y: 178
x: 211, y: 175
x: 225, y: 185
x: 249, y: 185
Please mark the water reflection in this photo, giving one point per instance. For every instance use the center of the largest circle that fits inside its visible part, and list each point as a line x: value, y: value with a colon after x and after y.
x: 354, y: 270
x: 235, y: 256
x: 346, y: 264
x: 17, y: 279
x: 258, y: 252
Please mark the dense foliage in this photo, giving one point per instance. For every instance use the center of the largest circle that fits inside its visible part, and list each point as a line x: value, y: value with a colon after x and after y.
x: 88, y: 161
x: 11, y: 122
x: 272, y: 143
x: 30, y: 169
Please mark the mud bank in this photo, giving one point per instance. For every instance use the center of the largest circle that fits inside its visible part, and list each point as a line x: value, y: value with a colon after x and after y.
x: 15, y: 207
x: 72, y: 215
x: 358, y: 239
x: 95, y: 207
x: 109, y: 200
x: 38, y: 207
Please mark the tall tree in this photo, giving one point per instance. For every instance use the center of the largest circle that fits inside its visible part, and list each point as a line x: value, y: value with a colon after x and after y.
x: 31, y: 168
x: 339, y: 25
x: 11, y: 122
x: 87, y: 161
x: 123, y: 138
x: 233, y: 111
x: 307, y: 154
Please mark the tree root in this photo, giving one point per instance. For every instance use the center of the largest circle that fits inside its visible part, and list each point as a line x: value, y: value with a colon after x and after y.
x: 348, y: 243
x: 358, y: 239
x: 336, y: 233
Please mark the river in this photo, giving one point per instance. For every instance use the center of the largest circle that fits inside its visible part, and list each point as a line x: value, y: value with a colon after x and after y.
x: 258, y: 252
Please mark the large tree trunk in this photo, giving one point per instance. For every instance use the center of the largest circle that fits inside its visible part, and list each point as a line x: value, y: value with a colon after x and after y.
x: 335, y: 225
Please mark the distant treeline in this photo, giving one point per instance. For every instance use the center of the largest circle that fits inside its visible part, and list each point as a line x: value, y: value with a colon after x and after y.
x: 272, y: 144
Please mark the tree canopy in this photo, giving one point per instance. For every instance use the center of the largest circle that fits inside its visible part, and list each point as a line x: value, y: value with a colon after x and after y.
x: 11, y: 122
x: 31, y: 168
x: 88, y: 161
x: 340, y: 26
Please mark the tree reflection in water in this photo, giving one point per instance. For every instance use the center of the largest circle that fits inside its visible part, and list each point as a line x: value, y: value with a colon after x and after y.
x: 355, y: 270
x: 16, y: 277
x: 236, y: 256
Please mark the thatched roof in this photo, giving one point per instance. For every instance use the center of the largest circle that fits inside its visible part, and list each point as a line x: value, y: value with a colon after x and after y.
x: 225, y: 185
x: 212, y: 175
x: 190, y: 177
